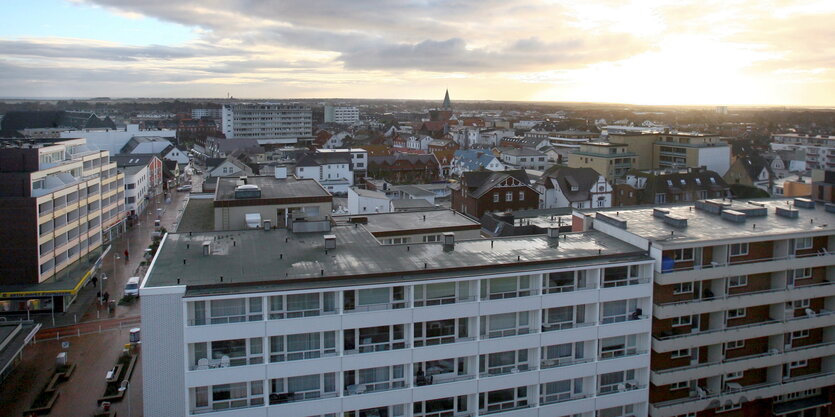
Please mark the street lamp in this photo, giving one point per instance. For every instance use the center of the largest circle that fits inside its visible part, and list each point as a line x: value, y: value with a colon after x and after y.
x: 124, y: 388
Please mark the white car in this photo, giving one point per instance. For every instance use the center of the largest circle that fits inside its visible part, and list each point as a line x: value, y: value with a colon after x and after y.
x: 184, y: 188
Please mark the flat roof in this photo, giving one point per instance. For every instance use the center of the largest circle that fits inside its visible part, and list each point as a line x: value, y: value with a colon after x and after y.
x: 254, y: 260
x: 414, y: 190
x: 271, y: 188
x: 703, y: 226
x: 199, y: 215
x: 411, y: 203
x: 381, y: 224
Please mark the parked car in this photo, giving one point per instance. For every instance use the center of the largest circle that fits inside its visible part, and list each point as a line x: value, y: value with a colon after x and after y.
x: 184, y: 188
x: 132, y: 287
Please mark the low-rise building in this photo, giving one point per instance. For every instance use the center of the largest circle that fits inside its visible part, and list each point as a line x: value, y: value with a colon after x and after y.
x: 671, y: 186
x: 331, y: 169
x: 479, y: 192
x: 612, y: 160
x: 475, y: 160
x: 573, y: 187
x: 523, y: 158
x: 362, y: 201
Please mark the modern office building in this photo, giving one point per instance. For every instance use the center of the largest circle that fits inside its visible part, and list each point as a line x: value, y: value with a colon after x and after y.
x: 675, y: 150
x: 341, y: 114
x: 271, y: 323
x: 269, y: 123
x: 60, y: 200
x: 744, y: 304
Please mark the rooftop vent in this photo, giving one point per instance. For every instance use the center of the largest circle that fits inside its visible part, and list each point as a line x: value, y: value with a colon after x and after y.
x: 712, y: 206
x: 734, y: 216
x: 330, y: 241
x: 281, y: 172
x: 755, y: 211
x: 829, y: 207
x: 788, y: 213
x: 660, y: 212
x: 247, y: 191
x: 449, y: 241
x: 267, y: 225
x: 207, y: 248
x: 675, y: 221
x: 611, y: 219
x: 553, y: 232
x: 804, y: 202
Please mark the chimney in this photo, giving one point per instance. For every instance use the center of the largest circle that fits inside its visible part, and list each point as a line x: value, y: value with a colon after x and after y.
x: 449, y: 241
x: 553, y: 232
x: 207, y: 248
x: 330, y: 242
x: 267, y: 225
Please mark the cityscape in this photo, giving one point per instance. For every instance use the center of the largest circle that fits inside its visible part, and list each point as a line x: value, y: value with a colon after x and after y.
x: 417, y: 209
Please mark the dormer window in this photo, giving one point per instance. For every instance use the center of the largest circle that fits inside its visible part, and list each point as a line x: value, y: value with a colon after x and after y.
x: 575, y: 188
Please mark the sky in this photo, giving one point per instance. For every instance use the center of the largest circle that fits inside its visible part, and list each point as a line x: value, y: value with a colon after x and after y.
x: 666, y: 52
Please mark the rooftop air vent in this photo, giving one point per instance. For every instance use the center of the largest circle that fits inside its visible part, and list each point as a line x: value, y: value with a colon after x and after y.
x: 207, y: 248
x: 660, y: 212
x: 788, y: 213
x: 711, y: 206
x: 611, y: 219
x: 804, y: 202
x: 449, y: 241
x: 734, y: 216
x: 755, y: 211
x: 330, y: 241
x: 247, y: 191
x: 830, y: 207
x: 675, y: 221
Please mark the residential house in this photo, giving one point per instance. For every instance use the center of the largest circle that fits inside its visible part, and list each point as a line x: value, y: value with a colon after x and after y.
x: 475, y: 160
x: 523, y: 158
x: 487, y: 191
x: 613, y: 160
x: 331, y: 169
x: 660, y: 187
x: 223, y: 167
x: 446, y: 162
x: 404, y: 168
x: 573, y: 187
x: 751, y: 171
x: 156, y: 145
x: 442, y: 145
x: 362, y: 201
x: 526, y: 142
x: 156, y: 175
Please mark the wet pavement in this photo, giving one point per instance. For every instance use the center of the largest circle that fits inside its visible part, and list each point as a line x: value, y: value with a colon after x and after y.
x: 103, y: 334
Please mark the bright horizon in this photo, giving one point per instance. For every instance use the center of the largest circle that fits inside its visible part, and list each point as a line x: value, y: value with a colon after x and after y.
x: 660, y: 52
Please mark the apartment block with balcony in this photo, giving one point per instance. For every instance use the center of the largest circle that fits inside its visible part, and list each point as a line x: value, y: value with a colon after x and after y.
x: 271, y: 124
x: 743, y: 304
x: 62, y: 200
x: 271, y: 323
x: 612, y: 160
x: 819, y: 149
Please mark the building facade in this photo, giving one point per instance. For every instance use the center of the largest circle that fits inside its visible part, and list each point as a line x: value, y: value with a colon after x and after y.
x: 743, y: 304
x: 480, y: 192
x: 341, y: 114
x: 455, y: 329
x: 612, y: 160
x: 61, y: 200
x: 270, y: 123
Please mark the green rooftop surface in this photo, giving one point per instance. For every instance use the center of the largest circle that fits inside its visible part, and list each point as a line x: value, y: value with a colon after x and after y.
x: 278, y: 258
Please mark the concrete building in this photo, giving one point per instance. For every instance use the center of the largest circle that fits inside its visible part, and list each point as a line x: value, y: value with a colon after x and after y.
x: 819, y: 149
x: 61, y: 200
x: 479, y: 192
x: 113, y: 140
x: 152, y: 183
x: 612, y: 160
x: 367, y: 201
x: 341, y: 114
x: 338, y: 324
x: 671, y: 186
x: 270, y: 123
x: 136, y: 189
x: 333, y: 170
x: 743, y: 304
x: 206, y: 113
x: 675, y: 150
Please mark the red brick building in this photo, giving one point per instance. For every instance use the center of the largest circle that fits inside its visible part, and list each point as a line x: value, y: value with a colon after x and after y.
x: 486, y: 191
x: 404, y: 168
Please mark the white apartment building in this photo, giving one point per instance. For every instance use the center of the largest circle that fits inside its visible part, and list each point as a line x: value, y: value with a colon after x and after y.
x: 819, y: 149
x: 359, y: 158
x: 524, y: 158
x: 270, y: 123
x: 341, y: 114
x: 333, y: 170
x: 744, y: 304
x: 137, y: 186
x: 209, y: 113
x: 340, y: 325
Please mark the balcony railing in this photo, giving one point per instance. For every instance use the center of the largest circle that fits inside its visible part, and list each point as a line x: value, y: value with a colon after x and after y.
x: 290, y: 397
x: 443, y: 301
x: 377, y: 307
x: 744, y: 294
x: 744, y: 326
x: 714, y: 264
x: 624, y: 282
x: 621, y: 353
x: 505, y: 333
x: 561, y: 397
x: 557, y: 362
x: 377, y: 347
x: 550, y: 327
x: 619, y: 387
x: 508, y: 369
x: 359, y: 389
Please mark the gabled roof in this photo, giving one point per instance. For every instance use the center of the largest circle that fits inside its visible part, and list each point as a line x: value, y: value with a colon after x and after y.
x: 479, y: 183
x: 135, y: 141
x: 136, y: 159
x: 472, y: 159
x: 569, y: 179
x: 521, y: 151
x: 315, y: 159
x: 754, y: 165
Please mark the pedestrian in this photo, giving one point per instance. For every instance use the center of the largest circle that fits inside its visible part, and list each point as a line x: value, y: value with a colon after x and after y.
x: 127, y: 255
x: 95, y: 280
x: 106, y: 296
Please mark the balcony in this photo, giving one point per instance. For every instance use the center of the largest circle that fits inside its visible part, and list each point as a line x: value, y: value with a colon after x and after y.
x: 566, y: 361
x: 289, y: 397
x: 705, y: 399
x: 505, y: 370
x: 766, y: 328
x: 763, y: 360
x: 748, y: 267
x: 561, y: 398
x: 360, y: 389
x: 750, y: 299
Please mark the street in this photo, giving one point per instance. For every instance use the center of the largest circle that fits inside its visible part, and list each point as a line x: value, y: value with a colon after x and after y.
x: 95, y: 336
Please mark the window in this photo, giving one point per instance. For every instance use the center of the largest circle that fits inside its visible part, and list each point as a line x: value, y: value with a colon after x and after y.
x: 729, y: 407
x: 660, y: 198
x: 682, y: 321
x: 503, y: 362
x: 374, y: 339
x: 618, y: 311
x: 521, y: 196
x: 295, y: 347
x: 734, y: 344
x: 302, y: 305
x: 431, y: 238
x: 441, y: 293
x: 803, y: 243
x: 683, y: 255
x: 802, y: 273
x: 801, y: 303
x: 679, y: 385
x: 495, y: 197
x: 614, y: 381
x: 613, y: 347
x: 503, y: 399
x: 737, y: 281
x: 503, y: 325
x: 798, y: 364
x: 683, y: 288
x: 739, y: 249
x: 508, y: 287
x: 508, y: 196
x: 733, y: 375
x: 683, y: 353
x: 736, y: 313
x: 800, y: 334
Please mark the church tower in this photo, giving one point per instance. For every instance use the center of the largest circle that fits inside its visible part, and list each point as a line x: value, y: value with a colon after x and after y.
x: 447, y: 103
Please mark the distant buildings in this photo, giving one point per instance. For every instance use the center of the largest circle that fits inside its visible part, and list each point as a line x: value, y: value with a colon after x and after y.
x: 475, y: 160
x: 270, y: 123
x: 674, y: 150
x: 341, y: 114
x: 751, y: 171
x: 819, y: 150
x: 612, y: 160
x: 206, y: 113
x: 61, y: 201
x: 403, y: 168
x: 664, y: 187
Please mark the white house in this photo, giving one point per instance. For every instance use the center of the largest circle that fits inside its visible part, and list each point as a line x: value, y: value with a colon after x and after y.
x: 574, y: 187
x: 113, y: 140
x: 418, y: 143
x: 155, y: 145
x: 366, y: 201
x: 136, y: 188
x: 474, y: 160
x: 331, y: 169
x: 224, y: 167
x: 524, y: 158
